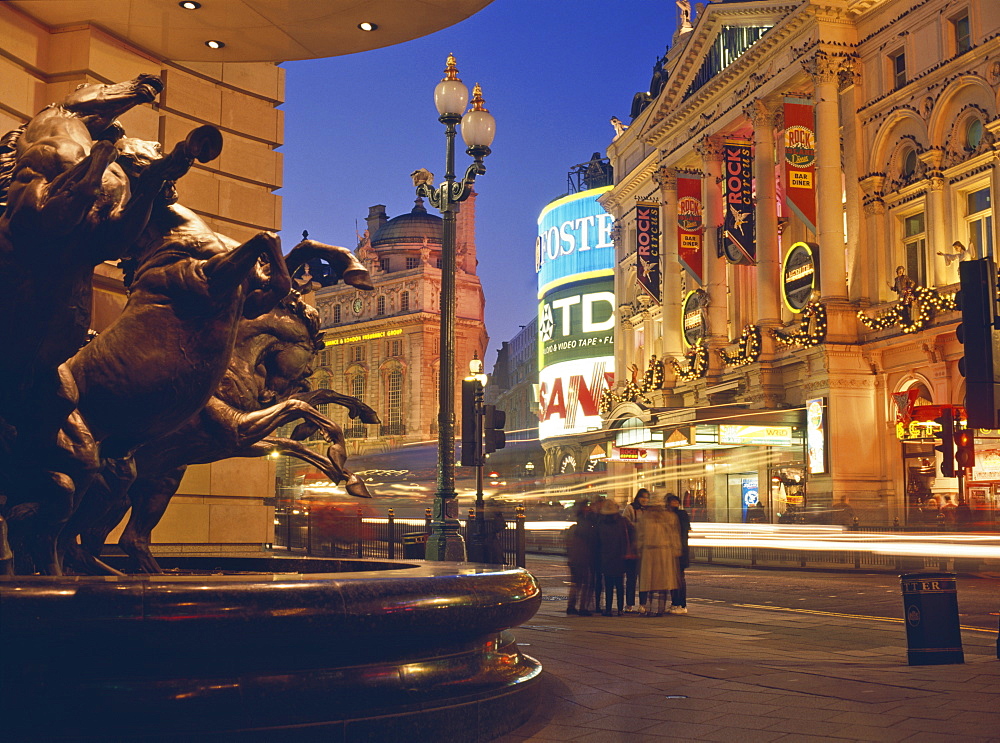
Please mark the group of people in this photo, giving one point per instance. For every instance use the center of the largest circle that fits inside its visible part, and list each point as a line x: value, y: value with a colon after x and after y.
x: 612, y: 551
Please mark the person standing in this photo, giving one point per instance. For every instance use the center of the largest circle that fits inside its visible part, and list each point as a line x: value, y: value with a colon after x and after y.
x: 659, y: 550
x: 613, y: 540
x: 678, y: 596
x: 580, y: 544
x: 632, y: 513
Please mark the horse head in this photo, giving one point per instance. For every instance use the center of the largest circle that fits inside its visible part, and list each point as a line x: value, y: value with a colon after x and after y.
x: 98, y: 105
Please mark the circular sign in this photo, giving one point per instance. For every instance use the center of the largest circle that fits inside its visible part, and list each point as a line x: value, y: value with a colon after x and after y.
x: 751, y: 498
x: 693, y: 317
x: 800, y: 275
x: 689, y: 214
x: 800, y: 146
x: 912, y: 615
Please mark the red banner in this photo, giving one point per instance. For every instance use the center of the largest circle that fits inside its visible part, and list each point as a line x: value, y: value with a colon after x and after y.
x: 800, y: 159
x: 690, y: 240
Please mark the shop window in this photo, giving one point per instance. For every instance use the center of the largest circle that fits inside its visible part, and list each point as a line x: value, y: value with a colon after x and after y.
x: 412, y: 262
x: 915, y: 248
x: 336, y: 314
x: 979, y: 218
x: 380, y: 305
x: 404, y: 302
x: 962, y: 34
x: 897, y: 69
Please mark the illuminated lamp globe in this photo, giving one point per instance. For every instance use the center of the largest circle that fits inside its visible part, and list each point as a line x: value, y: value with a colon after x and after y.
x: 478, y: 126
x: 451, y: 96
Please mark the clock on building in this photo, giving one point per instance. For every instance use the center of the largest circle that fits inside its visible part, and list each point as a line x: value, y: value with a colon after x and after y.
x: 358, y: 305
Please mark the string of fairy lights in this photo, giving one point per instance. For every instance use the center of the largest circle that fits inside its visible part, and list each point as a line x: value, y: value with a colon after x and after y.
x: 696, y: 365
x: 811, y: 330
x: 914, y: 311
x: 748, y: 350
x: 635, y: 391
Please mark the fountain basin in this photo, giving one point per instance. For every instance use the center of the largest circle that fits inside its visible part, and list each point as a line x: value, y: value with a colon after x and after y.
x: 268, y: 648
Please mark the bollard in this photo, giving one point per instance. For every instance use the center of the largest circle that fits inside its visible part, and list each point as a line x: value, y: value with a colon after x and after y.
x: 360, y: 536
x: 519, y: 548
x: 930, y: 610
x: 391, y: 534
x: 427, y: 518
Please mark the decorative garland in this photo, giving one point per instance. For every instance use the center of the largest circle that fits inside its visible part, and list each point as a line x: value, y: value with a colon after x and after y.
x: 913, y: 312
x: 635, y: 391
x: 749, y: 348
x: 813, y: 314
x: 697, y: 363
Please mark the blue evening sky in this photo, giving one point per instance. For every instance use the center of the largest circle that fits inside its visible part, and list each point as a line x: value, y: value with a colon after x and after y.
x: 553, y: 73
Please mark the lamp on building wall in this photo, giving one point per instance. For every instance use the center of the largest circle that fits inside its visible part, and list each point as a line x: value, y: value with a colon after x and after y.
x: 478, y: 127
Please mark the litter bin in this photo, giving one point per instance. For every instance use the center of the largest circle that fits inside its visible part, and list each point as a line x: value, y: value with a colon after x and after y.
x: 415, y: 545
x: 930, y: 610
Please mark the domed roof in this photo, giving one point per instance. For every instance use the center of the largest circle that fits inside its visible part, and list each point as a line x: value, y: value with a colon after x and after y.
x: 409, y: 228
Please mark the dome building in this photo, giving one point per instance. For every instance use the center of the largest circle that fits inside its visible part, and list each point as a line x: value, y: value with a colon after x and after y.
x: 382, y: 346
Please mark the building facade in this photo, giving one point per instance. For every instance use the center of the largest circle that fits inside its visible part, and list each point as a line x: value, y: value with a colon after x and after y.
x: 383, y: 346
x: 814, y: 172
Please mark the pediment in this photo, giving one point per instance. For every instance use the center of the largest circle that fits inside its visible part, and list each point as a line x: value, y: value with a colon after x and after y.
x: 723, y: 43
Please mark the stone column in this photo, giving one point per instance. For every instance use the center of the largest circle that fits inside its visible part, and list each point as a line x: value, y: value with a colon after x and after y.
x: 829, y: 192
x: 851, y: 97
x: 670, y: 269
x: 762, y: 113
x: 711, y: 150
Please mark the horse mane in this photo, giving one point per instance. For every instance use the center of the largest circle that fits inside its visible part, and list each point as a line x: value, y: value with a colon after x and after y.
x: 308, y: 315
x: 8, y: 161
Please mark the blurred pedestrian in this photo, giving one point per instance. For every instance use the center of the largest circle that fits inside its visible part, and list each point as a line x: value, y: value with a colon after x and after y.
x: 844, y: 513
x: 678, y: 596
x: 613, y: 544
x: 581, y: 540
x: 929, y: 511
x: 494, y: 543
x: 632, y: 513
x: 659, y: 550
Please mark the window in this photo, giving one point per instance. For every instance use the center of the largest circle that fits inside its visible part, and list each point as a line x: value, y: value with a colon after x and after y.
x: 358, y: 353
x: 963, y: 35
x: 356, y: 429
x: 336, y: 313
x: 915, y: 248
x: 395, y: 400
x: 412, y: 262
x: 395, y: 347
x: 384, y: 264
x: 979, y: 218
x: 898, y: 69
x: 973, y: 133
x: 380, y: 305
x: 404, y: 302
x: 438, y: 263
x: 909, y: 163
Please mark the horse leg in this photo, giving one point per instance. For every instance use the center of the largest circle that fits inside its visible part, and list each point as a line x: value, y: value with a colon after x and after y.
x: 228, y: 270
x: 355, y: 408
x: 341, y: 261
x: 150, y: 496
x: 100, y: 509
x: 331, y: 465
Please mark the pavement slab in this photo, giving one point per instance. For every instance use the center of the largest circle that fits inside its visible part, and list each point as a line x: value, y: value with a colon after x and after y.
x: 738, y: 673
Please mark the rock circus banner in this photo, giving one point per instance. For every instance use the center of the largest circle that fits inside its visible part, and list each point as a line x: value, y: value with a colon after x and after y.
x: 690, y: 239
x: 739, y: 225
x: 800, y: 159
x: 647, y: 243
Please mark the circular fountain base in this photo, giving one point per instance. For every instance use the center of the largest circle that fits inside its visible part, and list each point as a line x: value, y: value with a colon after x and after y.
x: 289, y: 649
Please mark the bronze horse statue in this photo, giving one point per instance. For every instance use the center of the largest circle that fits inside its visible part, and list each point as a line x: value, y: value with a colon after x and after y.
x: 67, y: 207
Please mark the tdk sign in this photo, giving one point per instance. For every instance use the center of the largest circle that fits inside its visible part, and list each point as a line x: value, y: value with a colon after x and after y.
x: 574, y: 239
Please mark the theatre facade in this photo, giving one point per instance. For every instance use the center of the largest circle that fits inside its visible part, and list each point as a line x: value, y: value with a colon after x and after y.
x: 792, y: 200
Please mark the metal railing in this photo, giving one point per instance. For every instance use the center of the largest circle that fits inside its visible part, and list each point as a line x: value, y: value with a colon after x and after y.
x: 313, y: 532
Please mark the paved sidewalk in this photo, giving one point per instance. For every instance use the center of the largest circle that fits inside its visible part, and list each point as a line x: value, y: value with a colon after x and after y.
x: 740, y: 675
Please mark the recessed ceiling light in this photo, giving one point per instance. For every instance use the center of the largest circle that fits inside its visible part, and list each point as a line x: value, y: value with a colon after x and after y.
x: 213, y: 44
x: 366, y: 26
x: 189, y: 5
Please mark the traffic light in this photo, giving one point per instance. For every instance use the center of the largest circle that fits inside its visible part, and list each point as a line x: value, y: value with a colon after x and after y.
x: 493, y: 423
x: 965, y: 448
x: 981, y: 363
x: 472, y: 455
x: 947, y: 447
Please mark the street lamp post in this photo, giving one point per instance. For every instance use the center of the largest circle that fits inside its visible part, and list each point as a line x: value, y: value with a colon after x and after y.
x: 478, y: 127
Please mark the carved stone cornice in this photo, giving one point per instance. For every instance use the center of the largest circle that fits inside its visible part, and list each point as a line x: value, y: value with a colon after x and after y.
x: 842, y: 68
x: 666, y: 178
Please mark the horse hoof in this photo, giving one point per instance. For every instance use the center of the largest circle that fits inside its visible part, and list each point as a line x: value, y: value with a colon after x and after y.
x: 358, y: 278
x: 356, y: 486
x: 204, y: 143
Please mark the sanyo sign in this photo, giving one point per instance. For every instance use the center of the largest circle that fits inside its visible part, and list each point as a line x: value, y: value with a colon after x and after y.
x: 574, y: 237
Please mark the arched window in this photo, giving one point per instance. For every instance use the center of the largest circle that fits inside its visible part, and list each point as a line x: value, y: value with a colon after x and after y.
x: 909, y: 163
x: 973, y: 133
x: 404, y: 302
x: 357, y: 429
x: 336, y: 313
x: 380, y: 305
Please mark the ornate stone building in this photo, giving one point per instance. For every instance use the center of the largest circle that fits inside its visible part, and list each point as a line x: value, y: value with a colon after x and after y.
x: 382, y: 346
x: 798, y: 153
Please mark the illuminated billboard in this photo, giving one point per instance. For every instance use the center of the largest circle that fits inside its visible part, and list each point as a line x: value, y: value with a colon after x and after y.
x: 575, y: 263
